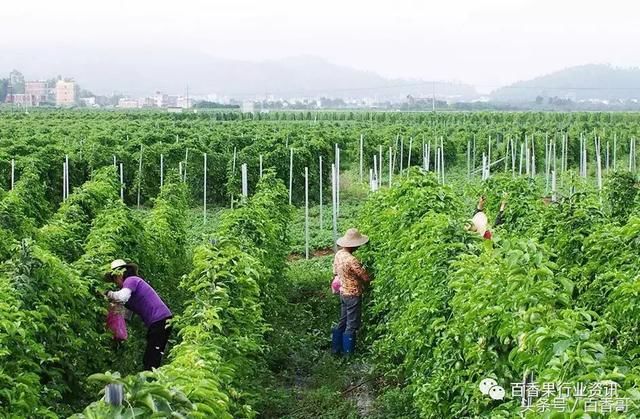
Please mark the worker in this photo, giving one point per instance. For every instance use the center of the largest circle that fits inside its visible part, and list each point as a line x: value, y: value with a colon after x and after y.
x: 352, y: 277
x: 480, y: 223
x: 139, y: 297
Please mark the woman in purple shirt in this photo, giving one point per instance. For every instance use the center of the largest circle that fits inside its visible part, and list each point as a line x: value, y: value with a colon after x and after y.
x: 142, y: 299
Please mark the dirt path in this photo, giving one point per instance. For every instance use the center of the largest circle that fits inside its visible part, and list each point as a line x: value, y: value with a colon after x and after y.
x: 313, y: 382
x: 318, y: 253
x: 359, y: 391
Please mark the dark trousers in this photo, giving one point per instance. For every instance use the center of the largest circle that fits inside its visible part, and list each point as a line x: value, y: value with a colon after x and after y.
x: 157, y: 337
x: 350, y: 312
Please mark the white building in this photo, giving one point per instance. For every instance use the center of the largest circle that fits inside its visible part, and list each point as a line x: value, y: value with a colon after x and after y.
x: 126, y: 103
x: 161, y: 99
x: 89, y: 102
x: 184, y: 102
x: 248, y: 107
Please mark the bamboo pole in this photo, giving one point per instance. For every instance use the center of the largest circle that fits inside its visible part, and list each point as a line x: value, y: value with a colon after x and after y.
x: 320, y: 177
x: 401, y: 153
x: 599, y: 165
x: 533, y: 156
x: 566, y: 153
x: 632, y: 155
x: 13, y: 174
x: 615, y: 147
x: 371, y: 185
x: 527, y: 155
x: 184, y: 167
x: 233, y: 163
x: 306, y: 212
x: 64, y: 181
x: 554, y: 157
x: 484, y: 166
x: 547, y: 165
x: 563, y: 160
x: 514, y: 157
x: 488, y: 166
x: 380, y: 169
x: 395, y: 153
x: 468, y: 159
x: 161, y: 171
x: 442, y: 167
x: 204, y: 189
x: 361, y: 155
x: 334, y: 207
x: 245, y: 184
x: 409, y: 159
x: 121, y: 183
x: 66, y: 158
x: 489, y: 150
x: 506, y: 155
x: 291, y: 174
x: 390, y: 165
x: 337, y: 180
x: 375, y: 173
x: 521, y: 158
x: 442, y: 164
x: 139, y: 176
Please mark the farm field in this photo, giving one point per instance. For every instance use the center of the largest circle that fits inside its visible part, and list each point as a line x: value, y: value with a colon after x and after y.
x: 548, y: 308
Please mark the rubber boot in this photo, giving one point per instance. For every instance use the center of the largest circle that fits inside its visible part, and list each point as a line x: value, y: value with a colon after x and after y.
x: 336, y: 341
x: 348, y: 343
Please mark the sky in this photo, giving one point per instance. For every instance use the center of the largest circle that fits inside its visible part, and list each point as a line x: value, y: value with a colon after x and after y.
x: 488, y: 43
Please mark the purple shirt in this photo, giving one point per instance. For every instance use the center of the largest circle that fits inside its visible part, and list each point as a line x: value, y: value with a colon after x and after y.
x: 145, y: 302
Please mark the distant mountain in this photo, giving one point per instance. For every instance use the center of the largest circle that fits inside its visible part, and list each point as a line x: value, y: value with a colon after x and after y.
x: 142, y: 72
x: 592, y: 81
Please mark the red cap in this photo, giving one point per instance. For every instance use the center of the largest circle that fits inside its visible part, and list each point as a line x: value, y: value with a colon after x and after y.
x: 487, y: 235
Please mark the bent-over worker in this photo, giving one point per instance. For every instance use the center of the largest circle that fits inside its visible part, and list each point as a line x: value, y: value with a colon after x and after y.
x: 138, y: 296
x: 480, y: 223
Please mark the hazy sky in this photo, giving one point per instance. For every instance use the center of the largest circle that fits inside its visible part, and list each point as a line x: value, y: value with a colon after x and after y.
x: 484, y: 42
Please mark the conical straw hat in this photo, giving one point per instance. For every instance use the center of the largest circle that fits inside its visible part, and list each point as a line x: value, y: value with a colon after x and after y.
x: 118, y: 263
x: 480, y: 222
x: 352, y: 238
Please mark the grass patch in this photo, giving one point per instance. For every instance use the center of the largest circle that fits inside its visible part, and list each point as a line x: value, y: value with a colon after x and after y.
x: 309, y: 379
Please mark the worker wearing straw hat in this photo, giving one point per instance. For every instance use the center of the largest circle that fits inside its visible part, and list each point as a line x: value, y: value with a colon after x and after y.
x: 480, y: 223
x: 138, y: 296
x: 352, y: 277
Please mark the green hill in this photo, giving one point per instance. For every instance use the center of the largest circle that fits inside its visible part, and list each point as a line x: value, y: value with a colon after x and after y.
x: 586, y: 82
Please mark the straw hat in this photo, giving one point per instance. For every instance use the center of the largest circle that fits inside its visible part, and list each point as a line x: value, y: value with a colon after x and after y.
x: 479, y: 223
x: 352, y: 238
x: 118, y: 263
